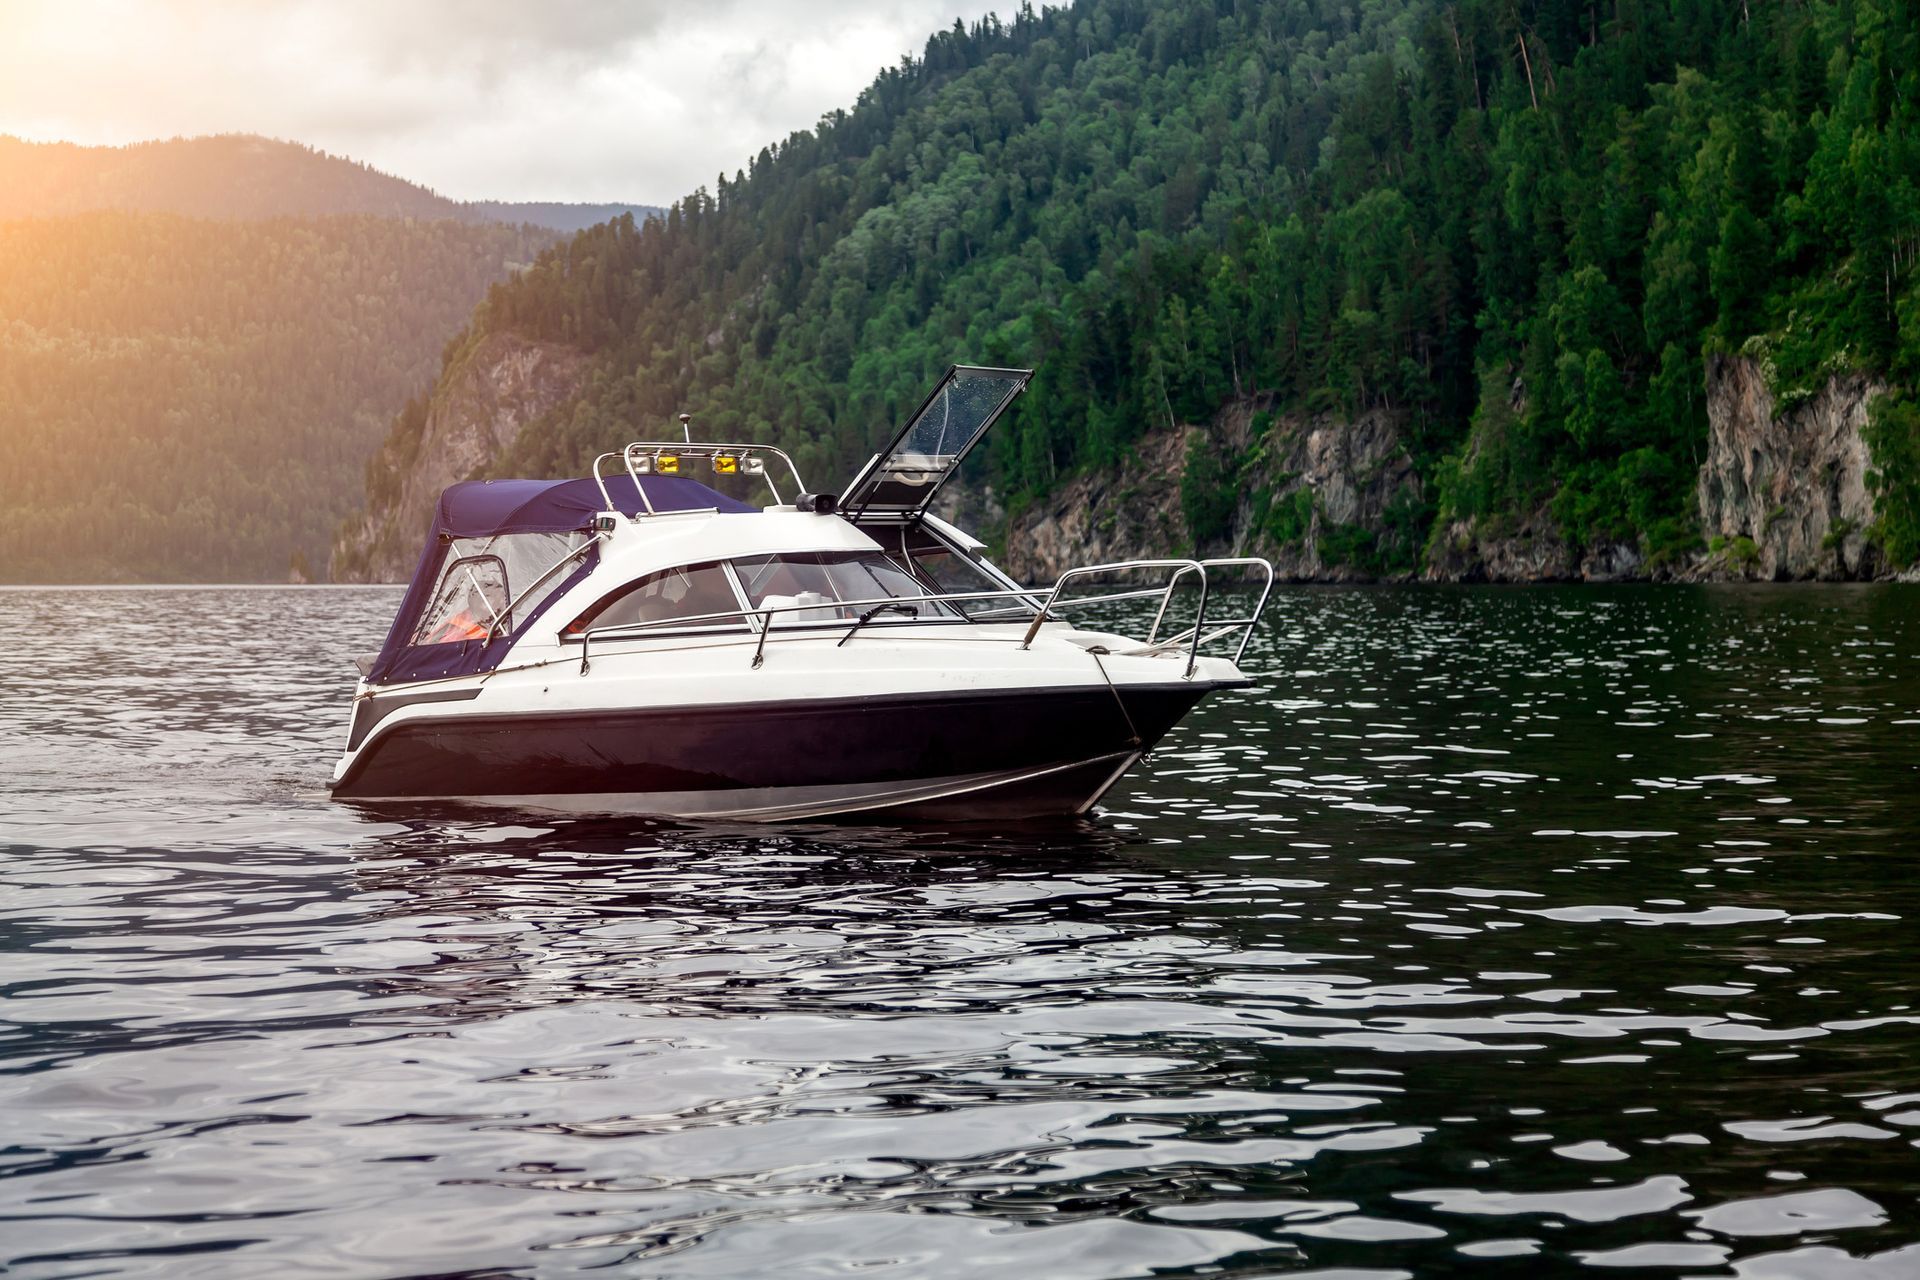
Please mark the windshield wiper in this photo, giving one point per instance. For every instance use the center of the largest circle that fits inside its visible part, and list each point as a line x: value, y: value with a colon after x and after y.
x: 912, y: 611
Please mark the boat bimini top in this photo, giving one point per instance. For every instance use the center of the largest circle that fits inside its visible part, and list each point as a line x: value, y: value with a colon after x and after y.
x: 500, y: 552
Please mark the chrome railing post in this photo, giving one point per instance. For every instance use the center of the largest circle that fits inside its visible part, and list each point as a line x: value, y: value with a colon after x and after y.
x: 1026, y: 641
x: 605, y: 497
x: 760, y: 649
x: 626, y: 455
x: 1199, y: 623
x: 1165, y: 600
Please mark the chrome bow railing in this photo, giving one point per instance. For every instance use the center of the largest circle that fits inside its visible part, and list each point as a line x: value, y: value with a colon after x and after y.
x: 1193, y: 637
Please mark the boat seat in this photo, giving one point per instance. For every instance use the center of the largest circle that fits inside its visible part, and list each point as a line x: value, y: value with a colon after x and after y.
x: 827, y: 613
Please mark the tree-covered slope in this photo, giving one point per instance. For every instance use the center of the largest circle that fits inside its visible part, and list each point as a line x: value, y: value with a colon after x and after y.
x: 965, y: 197
x: 243, y: 176
x: 555, y: 215
x: 183, y: 399
x: 1521, y: 227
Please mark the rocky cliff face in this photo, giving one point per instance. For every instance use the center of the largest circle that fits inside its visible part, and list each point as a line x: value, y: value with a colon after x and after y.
x: 480, y: 409
x: 1783, y: 494
x: 1300, y: 479
x: 1098, y: 517
x: 1530, y: 550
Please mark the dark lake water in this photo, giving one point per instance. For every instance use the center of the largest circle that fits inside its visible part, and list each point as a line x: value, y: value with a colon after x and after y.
x: 1502, y: 932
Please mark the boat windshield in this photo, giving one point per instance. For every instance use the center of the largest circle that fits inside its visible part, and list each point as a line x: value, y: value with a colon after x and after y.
x: 829, y: 583
x: 944, y: 569
x: 928, y: 450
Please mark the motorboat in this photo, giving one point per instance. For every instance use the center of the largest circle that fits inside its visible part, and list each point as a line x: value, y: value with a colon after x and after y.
x: 643, y: 641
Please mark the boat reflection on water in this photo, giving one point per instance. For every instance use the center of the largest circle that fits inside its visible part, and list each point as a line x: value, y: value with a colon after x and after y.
x: 531, y: 911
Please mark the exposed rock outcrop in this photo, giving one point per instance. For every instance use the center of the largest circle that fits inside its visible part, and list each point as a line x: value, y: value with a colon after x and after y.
x: 1299, y: 479
x: 1523, y: 548
x: 1097, y: 517
x: 1530, y: 550
x: 1343, y: 475
x: 482, y: 405
x: 1783, y: 494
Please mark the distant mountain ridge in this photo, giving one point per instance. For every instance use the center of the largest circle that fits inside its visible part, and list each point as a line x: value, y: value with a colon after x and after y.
x: 240, y: 314
x: 554, y: 215
x: 244, y: 176
x: 193, y: 399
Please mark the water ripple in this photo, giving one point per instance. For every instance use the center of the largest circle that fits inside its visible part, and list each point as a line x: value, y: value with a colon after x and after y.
x: 1492, y: 931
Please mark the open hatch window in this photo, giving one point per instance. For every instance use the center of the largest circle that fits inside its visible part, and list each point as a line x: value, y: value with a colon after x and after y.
x: 925, y: 454
x: 685, y: 591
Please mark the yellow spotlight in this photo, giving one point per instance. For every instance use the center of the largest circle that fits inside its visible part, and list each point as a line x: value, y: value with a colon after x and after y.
x: 725, y: 464
x: 667, y: 464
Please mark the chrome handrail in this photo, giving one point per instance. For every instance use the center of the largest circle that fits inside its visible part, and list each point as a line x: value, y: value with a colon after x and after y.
x: 765, y: 614
x: 1248, y: 623
x: 1192, y: 638
x: 1181, y: 567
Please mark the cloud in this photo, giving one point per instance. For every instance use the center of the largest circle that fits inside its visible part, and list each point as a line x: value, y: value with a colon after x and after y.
x: 479, y: 99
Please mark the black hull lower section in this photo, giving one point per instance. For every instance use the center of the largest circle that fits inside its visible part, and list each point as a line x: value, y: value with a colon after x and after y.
x: 992, y: 754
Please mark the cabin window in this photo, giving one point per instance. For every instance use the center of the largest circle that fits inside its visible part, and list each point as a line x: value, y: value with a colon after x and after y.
x: 685, y: 591
x: 944, y: 569
x: 831, y: 584
x: 491, y: 585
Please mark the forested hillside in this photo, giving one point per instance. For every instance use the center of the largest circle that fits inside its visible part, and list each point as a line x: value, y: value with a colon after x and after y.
x: 187, y: 399
x: 968, y: 200
x: 242, y: 176
x: 1520, y: 228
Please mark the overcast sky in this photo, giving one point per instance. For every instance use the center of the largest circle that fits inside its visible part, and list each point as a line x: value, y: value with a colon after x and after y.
x: 478, y: 99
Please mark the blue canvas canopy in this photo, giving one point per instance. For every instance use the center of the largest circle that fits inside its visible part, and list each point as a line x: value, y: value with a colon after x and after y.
x: 497, y: 509
x: 483, y: 508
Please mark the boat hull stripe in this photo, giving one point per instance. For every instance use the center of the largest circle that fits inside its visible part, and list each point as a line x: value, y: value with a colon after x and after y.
x: 369, y: 712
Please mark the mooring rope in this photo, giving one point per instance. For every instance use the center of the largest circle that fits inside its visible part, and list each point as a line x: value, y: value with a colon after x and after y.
x: 1094, y: 652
